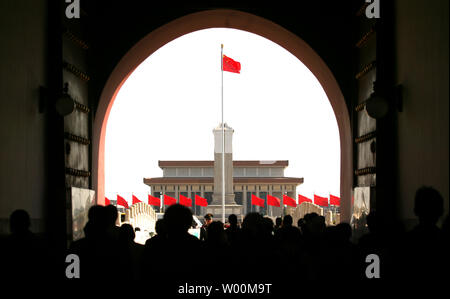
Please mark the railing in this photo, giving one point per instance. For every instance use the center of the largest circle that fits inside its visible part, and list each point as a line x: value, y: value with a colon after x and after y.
x: 142, y: 216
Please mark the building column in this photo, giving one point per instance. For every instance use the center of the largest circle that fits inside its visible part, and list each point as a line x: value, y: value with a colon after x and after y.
x: 244, y: 200
x: 258, y: 209
x: 189, y: 187
x: 163, y: 191
x: 269, y: 208
x: 202, y: 192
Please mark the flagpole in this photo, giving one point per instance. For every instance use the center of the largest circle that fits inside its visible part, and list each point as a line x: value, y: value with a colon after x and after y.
x: 223, y: 140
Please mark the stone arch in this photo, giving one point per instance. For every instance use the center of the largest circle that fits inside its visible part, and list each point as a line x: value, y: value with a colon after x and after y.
x: 225, y: 18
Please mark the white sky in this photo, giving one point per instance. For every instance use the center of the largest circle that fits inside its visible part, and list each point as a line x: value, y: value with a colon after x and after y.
x: 169, y: 105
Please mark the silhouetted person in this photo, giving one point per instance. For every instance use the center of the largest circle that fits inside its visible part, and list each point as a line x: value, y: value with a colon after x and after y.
x: 23, y: 255
x: 278, y: 222
x: 312, y: 250
x: 98, y: 250
x: 251, y: 248
x: 111, y: 215
x: 287, y: 231
x: 424, y: 246
x: 233, y: 230
x: 177, y: 253
x: 203, y: 230
x: 130, y: 253
x: 156, y: 241
x: 267, y: 227
x: 289, y: 242
x: 340, y: 253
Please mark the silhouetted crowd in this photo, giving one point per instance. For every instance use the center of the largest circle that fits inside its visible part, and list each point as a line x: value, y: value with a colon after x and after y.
x: 256, y: 249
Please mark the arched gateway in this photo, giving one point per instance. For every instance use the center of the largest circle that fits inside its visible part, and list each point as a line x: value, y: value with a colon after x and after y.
x: 224, y: 18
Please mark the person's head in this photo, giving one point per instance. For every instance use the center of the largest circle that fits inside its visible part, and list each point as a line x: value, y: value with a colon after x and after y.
x: 19, y: 222
x: 97, y: 221
x: 96, y: 213
x: 253, y: 223
x: 314, y: 223
x: 160, y: 227
x: 208, y: 218
x: 126, y: 233
x: 428, y: 205
x: 178, y: 219
x: 300, y: 222
x: 216, y: 233
x: 278, y: 221
x: 232, y: 219
x: 287, y: 220
x: 111, y: 215
x: 268, y: 225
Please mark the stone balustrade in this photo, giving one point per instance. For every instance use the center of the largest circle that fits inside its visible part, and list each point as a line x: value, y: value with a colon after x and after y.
x: 142, y: 216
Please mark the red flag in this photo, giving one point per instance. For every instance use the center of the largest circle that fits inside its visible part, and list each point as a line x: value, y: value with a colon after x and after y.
x: 302, y: 199
x: 107, y: 201
x: 200, y: 201
x: 289, y: 201
x: 154, y: 201
x: 230, y: 65
x: 334, y: 200
x: 321, y: 201
x: 168, y: 201
x: 185, y: 201
x: 257, y: 201
x: 135, y: 199
x: 273, y: 201
x: 121, y: 201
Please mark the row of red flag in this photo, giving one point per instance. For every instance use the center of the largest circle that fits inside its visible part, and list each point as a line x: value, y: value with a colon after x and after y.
x: 257, y: 201
x: 289, y: 201
x: 156, y: 201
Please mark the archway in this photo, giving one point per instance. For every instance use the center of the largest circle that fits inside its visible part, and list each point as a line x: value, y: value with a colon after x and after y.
x: 226, y: 19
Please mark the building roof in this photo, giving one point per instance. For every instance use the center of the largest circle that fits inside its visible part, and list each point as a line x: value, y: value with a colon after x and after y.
x: 210, y: 163
x: 210, y: 180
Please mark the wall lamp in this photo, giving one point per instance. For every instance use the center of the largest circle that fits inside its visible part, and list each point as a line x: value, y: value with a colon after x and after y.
x: 381, y: 101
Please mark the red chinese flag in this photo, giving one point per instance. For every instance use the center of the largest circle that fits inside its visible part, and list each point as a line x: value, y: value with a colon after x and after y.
x: 230, y: 65
x: 321, y: 201
x: 135, y: 199
x: 334, y: 200
x: 302, y: 199
x: 168, y: 201
x: 107, y: 201
x: 200, y: 201
x: 257, y: 201
x: 185, y: 201
x: 154, y: 201
x: 273, y: 201
x: 289, y: 201
x: 121, y: 201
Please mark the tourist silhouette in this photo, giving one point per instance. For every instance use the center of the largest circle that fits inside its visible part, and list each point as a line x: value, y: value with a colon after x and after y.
x: 233, y: 230
x: 24, y: 254
x: 423, y: 254
x: 130, y: 253
x: 98, y: 250
x: 177, y: 254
